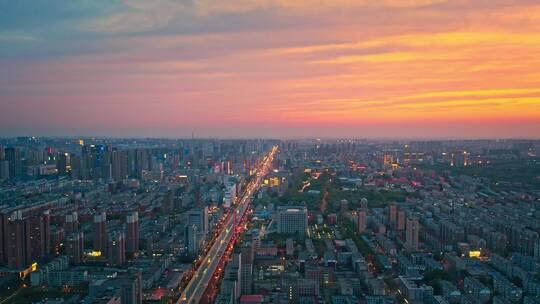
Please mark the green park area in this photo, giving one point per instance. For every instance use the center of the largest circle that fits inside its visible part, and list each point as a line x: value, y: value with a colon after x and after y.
x: 318, y: 192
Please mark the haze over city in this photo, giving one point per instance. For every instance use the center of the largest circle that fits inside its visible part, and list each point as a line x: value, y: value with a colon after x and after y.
x: 367, y: 69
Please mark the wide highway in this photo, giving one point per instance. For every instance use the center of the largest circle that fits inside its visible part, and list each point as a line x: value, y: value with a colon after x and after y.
x: 200, y: 279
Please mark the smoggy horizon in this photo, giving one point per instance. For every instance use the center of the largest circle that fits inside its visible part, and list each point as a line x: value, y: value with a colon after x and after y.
x: 424, y: 69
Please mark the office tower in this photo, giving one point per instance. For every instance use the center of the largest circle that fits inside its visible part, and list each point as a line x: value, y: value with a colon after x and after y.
x: 13, y: 156
x: 75, y: 247
x: 392, y: 215
x: 401, y: 217
x: 190, y: 238
x: 132, y: 241
x: 100, y: 232
x: 292, y: 220
x: 362, y: 221
x: 199, y: 218
x: 411, y: 237
x: 71, y: 223
x: 117, y: 248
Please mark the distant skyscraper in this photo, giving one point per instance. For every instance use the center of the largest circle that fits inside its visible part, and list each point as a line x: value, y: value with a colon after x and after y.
x: 100, y: 232
x: 13, y: 156
x: 76, y: 166
x: 130, y: 285
x: 132, y: 242
x: 71, y: 223
x: 247, y: 255
x: 401, y: 217
x: 47, y: 232
x: 119, y: 165
x: 392, y: 215
x: 61, y: 163
x: 232, y: 279
x: 411, y: 234
x: 34, y: 235
x: 75, y: 247
x: 15, y: 241
x: 25, y: 239
x: 117, y: 248
x: 364, y: 203
x: 362, y: 221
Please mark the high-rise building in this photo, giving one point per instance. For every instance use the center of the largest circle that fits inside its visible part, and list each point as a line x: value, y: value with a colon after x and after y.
x: 364, y: 203
x: 34, y: 246
x: 232, y: 279
x: 13, y: 156
x: 142, y: 161
x: 130, y: 285
x: 61, y: 163
x: 411, y: 234
x: 75, y: 247
x: 25, y: 239
x: 199, y: 218
x: 119, y: 165
x: 401, y: 217
x: 47, y: 243
x: 292, y: 220
x: 246, y: 275
x: 4, y: 170
x: 132, y: 241
x: 190, y: 238
x: 117, y: 248
x: 71, y: 223
x: 4, y: 165
x: 362, y: 221
x: 76, y: 166
x: 14, y: 241
x: 100, y: 232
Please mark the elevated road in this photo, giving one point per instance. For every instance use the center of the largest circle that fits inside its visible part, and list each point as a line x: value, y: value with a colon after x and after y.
x: 199, y: 281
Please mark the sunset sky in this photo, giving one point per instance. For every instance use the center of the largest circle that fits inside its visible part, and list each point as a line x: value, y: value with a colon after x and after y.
x: 263, y: 68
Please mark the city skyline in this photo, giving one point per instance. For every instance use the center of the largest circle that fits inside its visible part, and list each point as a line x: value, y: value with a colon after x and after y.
x: 426, y: 69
